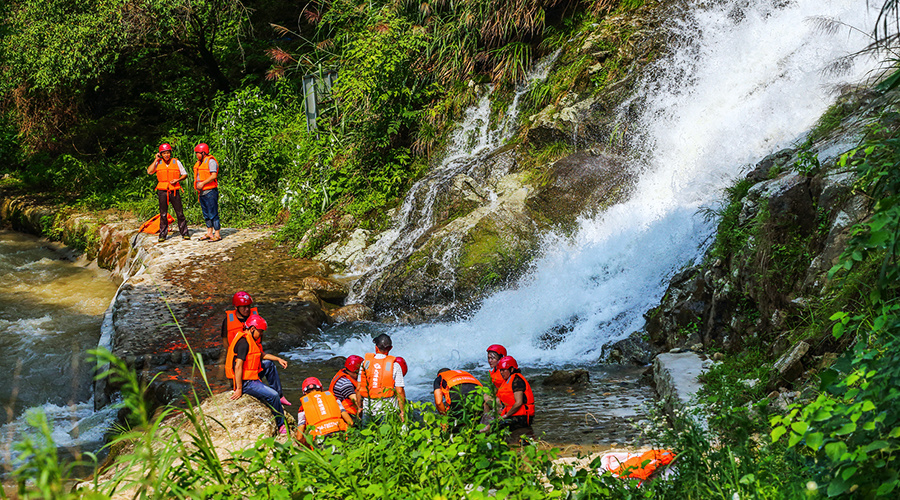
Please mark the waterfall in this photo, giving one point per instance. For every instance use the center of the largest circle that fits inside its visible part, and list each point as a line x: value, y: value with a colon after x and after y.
x: 743, y: 79
x: 471, y: 141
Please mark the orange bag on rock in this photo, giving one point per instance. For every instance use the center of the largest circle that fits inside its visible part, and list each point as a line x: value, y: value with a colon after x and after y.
x: 152, y: 225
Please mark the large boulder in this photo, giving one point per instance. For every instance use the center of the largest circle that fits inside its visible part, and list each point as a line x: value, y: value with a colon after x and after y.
x: 231, y: 426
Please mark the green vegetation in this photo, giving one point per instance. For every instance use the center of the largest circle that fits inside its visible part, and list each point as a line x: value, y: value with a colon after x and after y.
x: 103, y: 82
x: 416, y: 460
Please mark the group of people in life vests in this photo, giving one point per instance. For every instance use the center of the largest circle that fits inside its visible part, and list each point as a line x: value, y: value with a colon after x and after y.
x: 170, y: 172
x: 368, y: 388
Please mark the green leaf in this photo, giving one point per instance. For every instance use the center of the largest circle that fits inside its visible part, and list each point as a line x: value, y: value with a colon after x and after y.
x: 800, y: 427
x: 847, y: 473
x: 847, y: 428
x: 876, y: 445
x: 836, y: 487
x: 835, y: 450
x: 778, y: 432
x: 814, y: 440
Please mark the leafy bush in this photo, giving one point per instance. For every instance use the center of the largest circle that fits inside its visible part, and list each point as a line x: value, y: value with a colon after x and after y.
x: 853, y: 425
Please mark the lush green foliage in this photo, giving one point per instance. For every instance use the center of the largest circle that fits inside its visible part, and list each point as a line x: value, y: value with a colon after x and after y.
x: 853, y: 425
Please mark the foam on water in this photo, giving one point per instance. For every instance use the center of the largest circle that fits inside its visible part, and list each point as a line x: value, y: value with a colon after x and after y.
x: 745, y: 81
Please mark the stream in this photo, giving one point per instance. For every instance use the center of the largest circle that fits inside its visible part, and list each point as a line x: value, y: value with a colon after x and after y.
x: 51, y: 309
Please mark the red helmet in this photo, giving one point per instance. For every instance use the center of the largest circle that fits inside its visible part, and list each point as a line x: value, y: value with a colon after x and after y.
x: 165, y: 147
x: 402, y: 363
x: 241, y: 299
x: 507, y: 363
x: 499, y: 349
x: 352, y: 363
x: 257, y: 321
x: 201, y: 148
x: 311, y: 382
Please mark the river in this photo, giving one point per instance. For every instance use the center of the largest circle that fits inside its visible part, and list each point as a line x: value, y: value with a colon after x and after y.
x: 51, y: 309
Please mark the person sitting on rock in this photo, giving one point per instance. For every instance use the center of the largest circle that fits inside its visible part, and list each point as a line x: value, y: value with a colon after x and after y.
x: 516, y: 398
x: 455, y: 394
x: 380, y: 385
x: 494, y: 353
x: 343, y: 385
x: 320, y: 410
x: 244, y: 364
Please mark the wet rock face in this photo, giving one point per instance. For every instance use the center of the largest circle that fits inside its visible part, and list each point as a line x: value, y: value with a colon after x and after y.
x: 580, y: 182
x: 488, y: 224
x: 352, y: 312
x: 327, y: 289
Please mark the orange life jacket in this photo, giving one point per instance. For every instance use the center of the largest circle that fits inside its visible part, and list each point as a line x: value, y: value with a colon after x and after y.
x: 346, y: 403
x: 152, y: 225
x: 496, y: 378
x: 323, y: 413
x: 201, y: 173
x: 233, y: 325
x: 641, y: 467
x: 253, y: 363
x: 166, y: 172
x: 377, y: 377
x: 455, y: 378
x: 508, y: 398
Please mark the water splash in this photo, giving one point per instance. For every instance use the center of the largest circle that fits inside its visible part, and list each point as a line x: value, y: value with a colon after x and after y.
x: 744, y: 81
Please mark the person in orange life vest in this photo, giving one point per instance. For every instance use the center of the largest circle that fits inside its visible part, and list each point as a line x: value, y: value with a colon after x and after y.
x: 515, y: 397
x: 320, y: 410
x: 243, y: 365
x: 169, y: 173
x: 233, y: 324
x: 343, y: 385
x: 494, y: 353
x: 380, y: 384
x: 455, y: 393
x: 206, y: 181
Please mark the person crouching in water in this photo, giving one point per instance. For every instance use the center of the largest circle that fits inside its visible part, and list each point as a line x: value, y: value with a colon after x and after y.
x: 169, y: 174
x: 516, y: 398
x: 320, y: 410
x: 244, y: 364
x: 456, y: 395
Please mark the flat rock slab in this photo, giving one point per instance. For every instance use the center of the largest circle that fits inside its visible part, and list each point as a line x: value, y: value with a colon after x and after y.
x: 192, y: 281
x: 677, y: 379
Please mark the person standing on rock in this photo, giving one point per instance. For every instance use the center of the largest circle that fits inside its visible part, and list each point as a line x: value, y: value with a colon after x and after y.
x: 455, y: 393
x: 343, y: 385
x: 244, y: 365
x: 516, y: 398
x: 380, y: 385
x: 320, y: 410
x: 169, y: 174
x: 206, y: 182
x: 494, y: 353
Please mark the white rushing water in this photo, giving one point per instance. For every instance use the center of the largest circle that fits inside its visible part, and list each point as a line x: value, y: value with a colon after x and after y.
x: 747, y: 81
